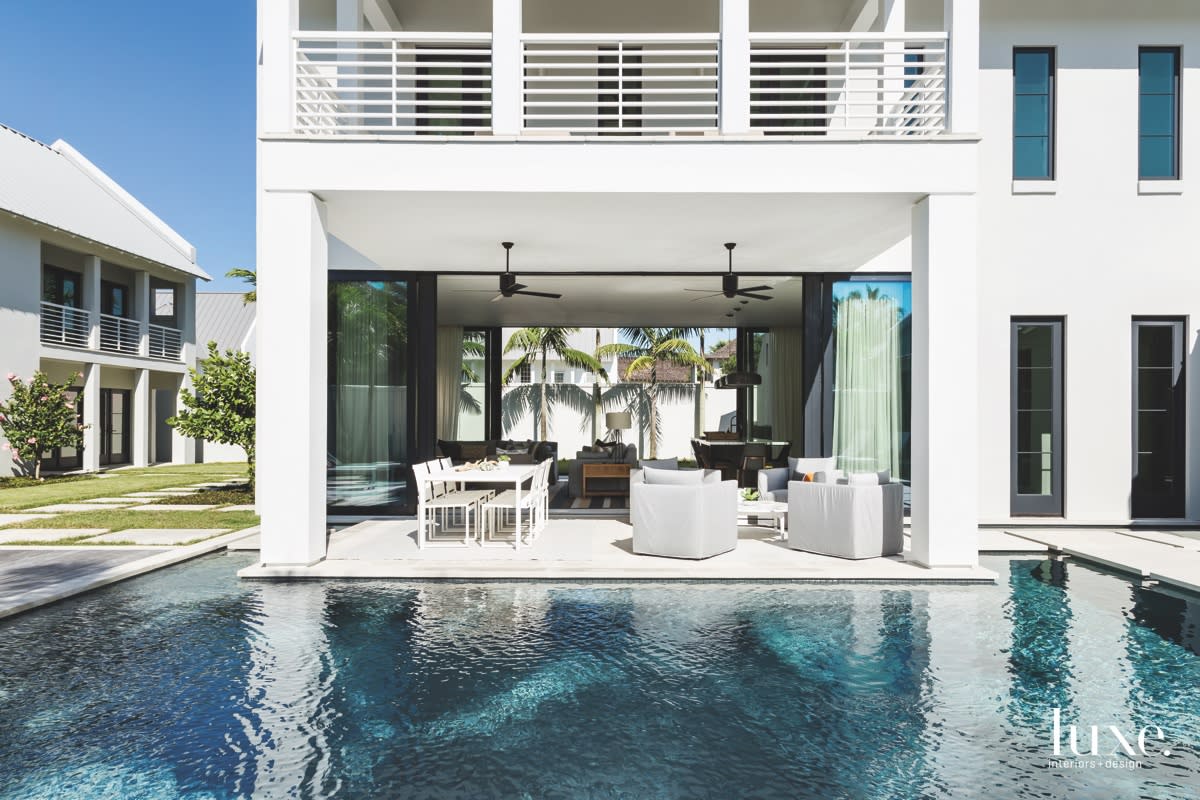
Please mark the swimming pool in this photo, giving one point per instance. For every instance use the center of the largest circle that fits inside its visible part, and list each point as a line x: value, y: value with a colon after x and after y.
x: 190, y: 683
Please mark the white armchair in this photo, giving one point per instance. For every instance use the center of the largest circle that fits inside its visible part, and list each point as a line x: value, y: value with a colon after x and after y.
x: 682, y: 513
x: 847, y: 521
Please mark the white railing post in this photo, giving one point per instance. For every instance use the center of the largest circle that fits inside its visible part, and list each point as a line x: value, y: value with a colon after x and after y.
x: 734, y: 70
x: 507, y: 68
x: 962, y: 69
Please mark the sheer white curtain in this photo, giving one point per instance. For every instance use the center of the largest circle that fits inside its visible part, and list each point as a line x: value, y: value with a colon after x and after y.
x: 449, y: 379
x: 867, y: 392
x: 784, y: 351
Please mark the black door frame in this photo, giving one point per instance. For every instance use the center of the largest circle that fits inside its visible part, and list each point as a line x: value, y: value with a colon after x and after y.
x: 107, y: 457
x: 1029, y: 505
x: 1143, y: 505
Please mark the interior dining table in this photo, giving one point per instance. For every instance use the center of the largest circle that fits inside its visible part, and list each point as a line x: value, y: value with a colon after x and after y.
x: 506, y: 473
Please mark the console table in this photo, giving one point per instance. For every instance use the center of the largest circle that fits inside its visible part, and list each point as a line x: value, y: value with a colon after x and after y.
x: 606, y: 471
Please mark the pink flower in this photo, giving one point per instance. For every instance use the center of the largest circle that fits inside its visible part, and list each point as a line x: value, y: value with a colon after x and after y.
x: 42, y: 399
x: 12, y: 376
x: 3, y: 418
x: 33, y: 440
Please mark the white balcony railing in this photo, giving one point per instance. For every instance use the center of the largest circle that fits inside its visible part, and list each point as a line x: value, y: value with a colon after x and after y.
x: 392, y: 84
x: 119, y: 335
x: 64, y: 325
x: 628, y: 85
x: 854, y: 85
x: 165, y: 342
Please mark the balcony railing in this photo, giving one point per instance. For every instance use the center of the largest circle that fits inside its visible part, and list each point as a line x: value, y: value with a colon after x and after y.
x: 837, y: 85
x: 63, y: 325
x: 119, y: 335
x: 867, y: 84
x: 393, y: 85
x: 627, y: 85
x: 165, y: 342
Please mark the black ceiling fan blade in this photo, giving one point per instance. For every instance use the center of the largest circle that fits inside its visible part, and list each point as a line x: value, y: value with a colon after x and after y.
x: 746, y: 293
x: 709, y: 296
x: 551, y: 295
x: 759, y: 289
x: 698, y: 290
x: 516, y: 287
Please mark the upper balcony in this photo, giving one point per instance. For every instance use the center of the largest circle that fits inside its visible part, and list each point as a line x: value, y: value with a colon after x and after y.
x: 720, y: 68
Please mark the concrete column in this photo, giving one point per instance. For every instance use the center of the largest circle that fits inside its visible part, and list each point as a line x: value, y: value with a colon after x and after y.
x: 185, y: 311
x: 945, y: 381
x: 91, y: 298
x: 140, y: 437
x: 141, y: 311
x: 183, y: 449
x: 962, y: 25
x: 277, y: 19
x: 734, y: 81
x: 91, y: 417
x: 349, y: 15
x: 507, y: 68
x: 293, y: 263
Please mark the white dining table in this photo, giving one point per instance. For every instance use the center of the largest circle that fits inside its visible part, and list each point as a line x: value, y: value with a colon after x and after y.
x: 514, y: 474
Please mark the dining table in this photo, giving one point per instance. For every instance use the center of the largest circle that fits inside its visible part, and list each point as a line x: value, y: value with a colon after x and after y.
x: 502, y: 475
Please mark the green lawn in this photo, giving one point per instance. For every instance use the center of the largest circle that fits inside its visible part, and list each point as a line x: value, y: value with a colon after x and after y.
x: 119, y: 520
x: 115, y: 484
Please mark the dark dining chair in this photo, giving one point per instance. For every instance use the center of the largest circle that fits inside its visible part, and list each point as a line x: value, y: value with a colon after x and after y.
x: 754, y: 458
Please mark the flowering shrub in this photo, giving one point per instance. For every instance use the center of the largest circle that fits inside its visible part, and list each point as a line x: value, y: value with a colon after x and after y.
x: 38, y: 417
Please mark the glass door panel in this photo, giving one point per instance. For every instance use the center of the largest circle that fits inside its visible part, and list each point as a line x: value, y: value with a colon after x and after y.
x: 1036, y: 418
x: 1158, y: 419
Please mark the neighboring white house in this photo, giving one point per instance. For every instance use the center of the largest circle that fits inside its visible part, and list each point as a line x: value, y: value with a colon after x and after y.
x: 92, y: 282
x: 227, y: 319
x: 970, y: 217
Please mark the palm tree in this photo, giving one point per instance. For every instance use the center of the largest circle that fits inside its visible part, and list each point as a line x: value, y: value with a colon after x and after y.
x: 538, y: 344
x: 250, y: 277
x: 650, y: 348
x: 474, y: 348
x: 698, y: 377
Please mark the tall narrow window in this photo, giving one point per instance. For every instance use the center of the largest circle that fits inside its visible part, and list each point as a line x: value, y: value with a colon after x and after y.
x: 1159, y: 412
x: 1158, y: 113
x: 1033, y: 113
x: 1037, y: 417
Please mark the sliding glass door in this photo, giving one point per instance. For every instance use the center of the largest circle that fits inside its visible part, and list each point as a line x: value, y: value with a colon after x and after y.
x: 1159, y: 406
x: 1036, y: 460
x: 370, y: 405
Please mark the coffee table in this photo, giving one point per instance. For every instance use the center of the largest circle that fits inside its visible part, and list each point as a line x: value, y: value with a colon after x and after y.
x: 765, y: 509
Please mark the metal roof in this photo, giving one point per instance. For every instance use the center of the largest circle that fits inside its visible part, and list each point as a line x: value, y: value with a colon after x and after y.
x: 223, y: 318
x: 56, y: 186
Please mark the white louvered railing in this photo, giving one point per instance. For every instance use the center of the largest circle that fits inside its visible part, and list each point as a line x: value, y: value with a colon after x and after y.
x: 631, y: 85
x: 64, y: 325
x: 863, y: 84
x: 387, y: 84
x: 119, y: 335
x: 165, y: 342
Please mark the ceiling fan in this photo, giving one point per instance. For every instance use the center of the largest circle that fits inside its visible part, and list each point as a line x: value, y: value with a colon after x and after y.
x: 729, y: 284
x: 508, y: 281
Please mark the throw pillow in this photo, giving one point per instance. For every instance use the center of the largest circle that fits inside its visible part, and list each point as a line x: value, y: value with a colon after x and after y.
x: 865, y: 478
x: 672, y: 477
x: 660, y: 463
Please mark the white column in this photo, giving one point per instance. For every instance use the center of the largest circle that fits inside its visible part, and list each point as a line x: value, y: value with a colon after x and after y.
x: 507, y: 68
x: 91, y: 417
x: 141, y: 418
x: 962, y: 25
x: 141, y: 310
x: 734, y: 80
x: 277, y: 19
x: 183, y: 449
x: 91, y: 298
x: 893, y: 22
x: 945, y: 381
x: 349, y: 15
x: 293, y: 263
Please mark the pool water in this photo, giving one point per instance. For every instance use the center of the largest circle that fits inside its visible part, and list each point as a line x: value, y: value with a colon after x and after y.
x: 191, y: 683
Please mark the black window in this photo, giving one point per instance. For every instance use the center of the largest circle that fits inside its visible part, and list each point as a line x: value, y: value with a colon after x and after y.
x: 1159, y: 413
x: 1033, y: 113
x: 1158, y: 113
x: 1037, y: 417
x: 62, y: 286
x: 114, y: 299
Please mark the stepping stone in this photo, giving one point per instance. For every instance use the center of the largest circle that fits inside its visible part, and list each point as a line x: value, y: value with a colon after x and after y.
x: 238, y: 508
x: 48, y: 535
x: 13, y: 519
x: 65, y: 508
x: 186, y: 507
x: 161, y: 493
x: 111, y: 501
x: 160, y: 536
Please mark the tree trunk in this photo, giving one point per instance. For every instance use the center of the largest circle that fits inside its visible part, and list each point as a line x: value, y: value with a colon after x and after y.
x: 701, y: 380
x: 596, y: 409
x: 544, y: 432
x: 250, y: 466
x: 37, y: 466
x: 653, y: 421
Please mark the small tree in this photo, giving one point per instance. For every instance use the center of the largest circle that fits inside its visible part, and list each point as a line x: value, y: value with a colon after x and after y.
x: 220, y: 407
x: 38, y: 417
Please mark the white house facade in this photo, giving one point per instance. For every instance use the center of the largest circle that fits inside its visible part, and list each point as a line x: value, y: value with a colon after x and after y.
x: 969, y: 218
x: 94, y: 284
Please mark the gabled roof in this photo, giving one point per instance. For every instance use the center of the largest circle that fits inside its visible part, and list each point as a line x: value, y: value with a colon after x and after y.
x: 223, y: 318
x: 56, y: 186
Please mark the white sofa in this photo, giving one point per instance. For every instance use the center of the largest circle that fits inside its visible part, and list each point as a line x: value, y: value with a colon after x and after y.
x: 682, y: 513
x: 846, y: 520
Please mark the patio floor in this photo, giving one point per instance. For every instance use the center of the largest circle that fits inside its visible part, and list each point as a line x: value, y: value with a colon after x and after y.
x: 595, y: 549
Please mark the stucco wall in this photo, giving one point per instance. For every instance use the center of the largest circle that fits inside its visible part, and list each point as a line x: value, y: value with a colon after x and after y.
x: 20, y: 293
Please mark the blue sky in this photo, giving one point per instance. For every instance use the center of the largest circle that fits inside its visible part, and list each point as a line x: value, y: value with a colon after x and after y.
x: 159, y: 95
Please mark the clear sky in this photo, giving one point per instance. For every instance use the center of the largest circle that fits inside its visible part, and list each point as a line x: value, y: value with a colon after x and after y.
x: 160, y: 95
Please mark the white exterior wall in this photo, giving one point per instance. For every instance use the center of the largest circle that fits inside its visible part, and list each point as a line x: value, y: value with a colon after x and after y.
x: 1095, y: 251
x: 20, y: 294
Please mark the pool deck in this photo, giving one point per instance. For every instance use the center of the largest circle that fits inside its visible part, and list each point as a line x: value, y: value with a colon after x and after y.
x: 594, y: 548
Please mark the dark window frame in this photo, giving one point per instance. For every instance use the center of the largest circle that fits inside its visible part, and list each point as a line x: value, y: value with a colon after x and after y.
x: 53, y: 279
x: 1143, y: 504
x: 1051, y: 112
x: 1053, y: 504
x: 1177, y: 113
